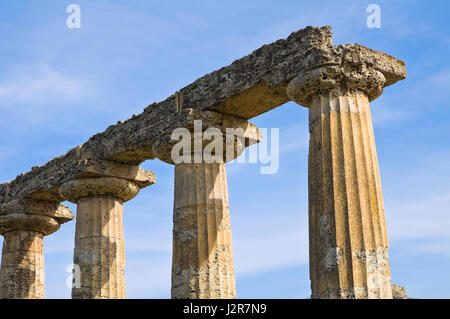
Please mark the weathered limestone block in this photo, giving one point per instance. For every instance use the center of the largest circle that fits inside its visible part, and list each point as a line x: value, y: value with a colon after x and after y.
x: 348, y: 237
x: 24, y: 224
x: 399, y: 292
x: 202, y: 262
x: 99, y: 241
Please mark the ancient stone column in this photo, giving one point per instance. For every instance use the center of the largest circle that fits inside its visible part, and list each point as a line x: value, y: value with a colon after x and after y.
x: 347, y: 228
x: 202, y: 261
x: 24, y: 223
x: 202, y: 265
x: 99, y: 257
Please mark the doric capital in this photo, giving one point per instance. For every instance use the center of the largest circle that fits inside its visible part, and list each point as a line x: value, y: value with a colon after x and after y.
x: 345, y: 68
x: 76, y: 189
x: 342, y: 78
x: 203, y: 127
x: 33, y: 215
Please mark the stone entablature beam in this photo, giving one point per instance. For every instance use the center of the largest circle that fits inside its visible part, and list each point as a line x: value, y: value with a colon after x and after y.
x: 246, y: 88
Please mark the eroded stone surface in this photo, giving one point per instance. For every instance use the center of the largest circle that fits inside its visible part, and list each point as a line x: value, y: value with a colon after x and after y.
x: 348, y: 238
x: 202, y: 264
x: 248, y: 87
x: 339, y: 79
x: 399, y: 292
x: 237, y: 134
x: 24, y: 223
x: 99, y: 256
x: 22, y: 271
x: 33, y: 215
x: 76, y: 189
x: 99, y: 249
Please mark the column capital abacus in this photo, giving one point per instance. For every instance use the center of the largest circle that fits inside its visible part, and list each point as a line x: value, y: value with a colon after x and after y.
x: 121, y: 181
x: 33, y: 215
x: 344, y: 69
x: 76, y: 189
x: 342, y: 79
x: 236, y: 133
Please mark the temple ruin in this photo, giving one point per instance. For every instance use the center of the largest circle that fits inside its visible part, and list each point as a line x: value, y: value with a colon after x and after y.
x: 347, y: 229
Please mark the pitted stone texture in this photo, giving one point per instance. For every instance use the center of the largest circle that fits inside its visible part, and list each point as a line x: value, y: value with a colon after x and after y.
x: 24, y: 223
x: 43, y: 224
x: 243, y: 135
x: 99, y: 248
x: 76, y: 189
x: 43, y: 182
x: 202, y: 265
x: 22, y: 270
x: 399, y: 292
x: 348, y: 238
x: 339, y: 79
x: 246, y: 88
x: 99, y: 241
x: 33, y: 215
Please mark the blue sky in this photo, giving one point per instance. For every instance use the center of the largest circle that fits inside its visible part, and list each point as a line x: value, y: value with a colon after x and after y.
x: 59, y: 86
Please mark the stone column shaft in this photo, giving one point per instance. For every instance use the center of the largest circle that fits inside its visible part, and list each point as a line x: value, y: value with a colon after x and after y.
x: 347, y: 228
x: 202, y: 264
x: 23, y: 224
x: 22, y: 270
x: 99, y: 248
x: 348, y: 241
x: 99, y: 258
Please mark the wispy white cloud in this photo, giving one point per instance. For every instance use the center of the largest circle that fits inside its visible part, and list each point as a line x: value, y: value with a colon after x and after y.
x: 422, y: 218
x: 37, y: 83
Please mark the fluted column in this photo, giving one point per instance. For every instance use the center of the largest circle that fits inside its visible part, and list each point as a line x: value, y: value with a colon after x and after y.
x: 24, y: 224
x: 347, y: 228
x: 202, y: 265
x: 99, y: 242
x: 22, y: 273
x: 202, y: 259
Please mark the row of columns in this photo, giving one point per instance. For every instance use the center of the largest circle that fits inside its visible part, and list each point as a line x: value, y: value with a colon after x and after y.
x: 347, y: 230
